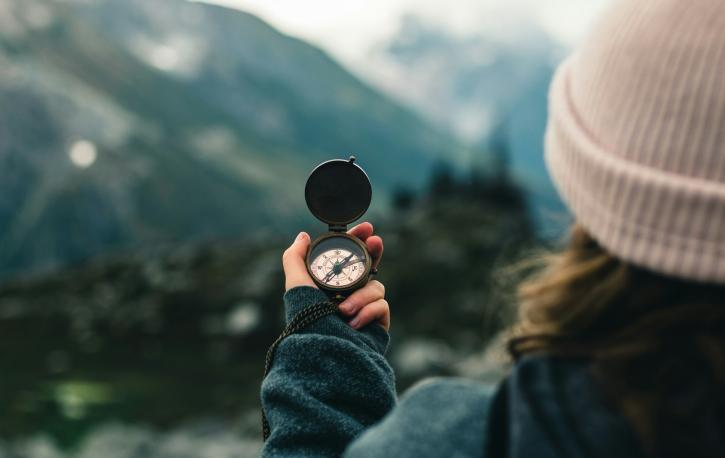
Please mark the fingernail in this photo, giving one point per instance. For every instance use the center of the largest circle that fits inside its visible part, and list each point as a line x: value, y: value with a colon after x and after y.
x: 300, y: 236
x: 346, y: 307
x: 355, y: 322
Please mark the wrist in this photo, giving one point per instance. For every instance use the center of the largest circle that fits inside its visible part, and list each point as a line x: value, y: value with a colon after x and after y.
x: 299, y: 298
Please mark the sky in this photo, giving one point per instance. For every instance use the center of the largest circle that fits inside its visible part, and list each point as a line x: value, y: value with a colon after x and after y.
x: 348, y: 29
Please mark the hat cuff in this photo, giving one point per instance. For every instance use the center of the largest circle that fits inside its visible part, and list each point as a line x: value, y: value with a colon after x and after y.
x: 663, y: 221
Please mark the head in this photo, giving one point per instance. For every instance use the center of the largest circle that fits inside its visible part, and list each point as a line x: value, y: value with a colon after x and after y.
x: 636, y: 148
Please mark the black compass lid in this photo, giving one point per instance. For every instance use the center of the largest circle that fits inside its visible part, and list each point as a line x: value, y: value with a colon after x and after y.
x: 338, y: 192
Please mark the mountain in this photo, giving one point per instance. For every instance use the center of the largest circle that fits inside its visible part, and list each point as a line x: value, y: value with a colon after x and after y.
x: 488, y: 87
x: 130, y: 123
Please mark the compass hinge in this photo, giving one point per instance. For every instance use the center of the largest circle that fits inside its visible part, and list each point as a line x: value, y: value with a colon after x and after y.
x: 338, y: 227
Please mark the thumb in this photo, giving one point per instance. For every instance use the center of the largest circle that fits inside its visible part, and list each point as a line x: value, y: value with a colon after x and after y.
x: 293, y: 263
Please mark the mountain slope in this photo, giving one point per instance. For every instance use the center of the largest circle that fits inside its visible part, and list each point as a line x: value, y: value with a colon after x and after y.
x: 202, y: 123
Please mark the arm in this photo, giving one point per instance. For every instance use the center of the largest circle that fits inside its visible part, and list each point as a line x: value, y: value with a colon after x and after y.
x: 330, y: 380
x: 328, y: 383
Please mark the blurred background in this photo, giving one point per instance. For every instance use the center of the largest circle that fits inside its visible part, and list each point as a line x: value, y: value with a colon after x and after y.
x: 153, y: 155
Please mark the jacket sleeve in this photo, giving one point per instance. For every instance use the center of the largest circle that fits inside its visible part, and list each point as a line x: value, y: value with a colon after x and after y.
x: 328, y: 382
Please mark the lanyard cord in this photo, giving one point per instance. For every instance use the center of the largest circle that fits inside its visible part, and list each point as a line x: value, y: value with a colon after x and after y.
x: 300, y: 321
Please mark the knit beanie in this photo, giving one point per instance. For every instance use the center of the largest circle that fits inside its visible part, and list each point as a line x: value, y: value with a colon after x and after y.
x: 636, y: 137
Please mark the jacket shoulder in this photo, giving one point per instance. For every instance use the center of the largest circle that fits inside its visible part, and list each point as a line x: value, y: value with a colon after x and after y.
x: 432, y: 418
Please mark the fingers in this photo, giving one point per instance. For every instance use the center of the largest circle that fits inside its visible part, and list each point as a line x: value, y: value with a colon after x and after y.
x: 375, y: 247
x: 362, y: 231
x: 367, y: 305
x: 371, y: 292
x: 293, y: 263
x: 378, y: 311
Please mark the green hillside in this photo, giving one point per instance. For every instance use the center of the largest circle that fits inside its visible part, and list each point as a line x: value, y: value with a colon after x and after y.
x: 205, y: 122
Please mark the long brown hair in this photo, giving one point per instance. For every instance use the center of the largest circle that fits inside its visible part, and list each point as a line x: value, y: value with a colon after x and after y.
x: 656, y: 344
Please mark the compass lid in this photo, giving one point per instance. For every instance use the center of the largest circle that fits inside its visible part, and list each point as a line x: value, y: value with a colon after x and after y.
x: 338, y: 192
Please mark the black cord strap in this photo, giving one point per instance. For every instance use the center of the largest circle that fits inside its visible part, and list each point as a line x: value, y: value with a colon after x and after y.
x: 300, y: 321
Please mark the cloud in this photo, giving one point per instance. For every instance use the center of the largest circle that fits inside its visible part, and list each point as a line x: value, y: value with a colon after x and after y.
x: 348, y: 29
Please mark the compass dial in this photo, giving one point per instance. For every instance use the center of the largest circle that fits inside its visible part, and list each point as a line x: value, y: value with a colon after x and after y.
x: 338, y: 262
x: 338, y: 267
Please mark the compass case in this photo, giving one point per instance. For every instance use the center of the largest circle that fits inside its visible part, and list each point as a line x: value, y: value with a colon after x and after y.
x: 338, y: 192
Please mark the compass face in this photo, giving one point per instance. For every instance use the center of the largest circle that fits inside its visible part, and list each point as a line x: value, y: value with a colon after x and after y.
x: 338, y: 262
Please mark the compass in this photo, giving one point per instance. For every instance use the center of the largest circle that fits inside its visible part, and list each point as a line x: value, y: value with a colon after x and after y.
x: 338, y: 192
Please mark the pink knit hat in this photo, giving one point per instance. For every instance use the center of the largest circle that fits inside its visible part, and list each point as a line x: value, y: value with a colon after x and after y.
x: 636, y: 136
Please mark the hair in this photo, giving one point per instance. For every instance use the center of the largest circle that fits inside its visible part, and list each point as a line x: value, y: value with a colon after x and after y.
x: 656, y: 343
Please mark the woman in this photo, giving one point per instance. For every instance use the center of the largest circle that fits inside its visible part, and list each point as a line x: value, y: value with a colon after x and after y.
x: 620, y: 349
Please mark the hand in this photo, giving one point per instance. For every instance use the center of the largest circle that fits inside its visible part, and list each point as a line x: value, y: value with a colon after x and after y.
x: 366, y: 304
